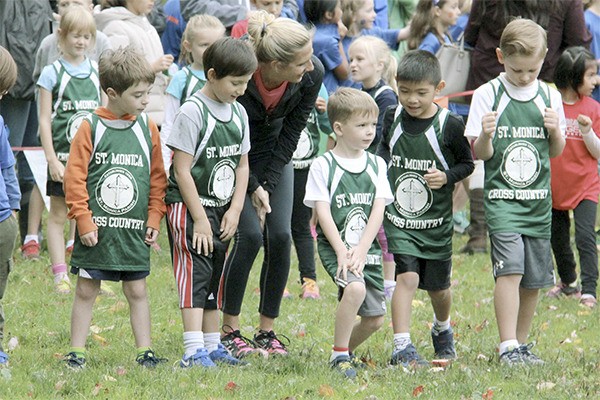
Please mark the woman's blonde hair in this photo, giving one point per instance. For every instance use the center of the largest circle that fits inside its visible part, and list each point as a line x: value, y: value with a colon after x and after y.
x: 195, y: 24
x: 276, y: 39
x: 378, y: 51
x: 76, y: 19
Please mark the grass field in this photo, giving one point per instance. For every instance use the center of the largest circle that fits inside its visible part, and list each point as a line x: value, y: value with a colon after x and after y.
x: 38, y: 319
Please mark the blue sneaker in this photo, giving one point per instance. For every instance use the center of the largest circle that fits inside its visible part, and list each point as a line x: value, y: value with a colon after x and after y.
x: 443, y: 344
x: 343, y: 364
x: 3, y: 358
x: 201, y: 358
x: 222, y: 356
x: 408, y: 357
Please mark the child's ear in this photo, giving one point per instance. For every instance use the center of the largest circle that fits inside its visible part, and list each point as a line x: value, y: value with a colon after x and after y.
x: 499, y: 55
x: 328, y: 16
x: 111, y: 93
x: 337, y: 128
x: 440, y: 86
x: 187, y: 45
x: 211, y: 74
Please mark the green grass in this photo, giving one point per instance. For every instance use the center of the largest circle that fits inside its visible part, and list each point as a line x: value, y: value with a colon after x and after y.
x: 566, y: 336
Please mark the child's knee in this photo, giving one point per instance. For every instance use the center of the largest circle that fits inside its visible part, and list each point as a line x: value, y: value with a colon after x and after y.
x: 440, y: 295
x: 408, y: 280
x: 87, y: 289
x: 356, y: 291
x: 135, y: 290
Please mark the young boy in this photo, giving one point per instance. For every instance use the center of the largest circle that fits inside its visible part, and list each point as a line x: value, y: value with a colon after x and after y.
x: 348, y: 189
x: 207, y: 187
x: 115, y: 184
x: 518, y: 123
x: 427, y: 155
x: 10, y: 195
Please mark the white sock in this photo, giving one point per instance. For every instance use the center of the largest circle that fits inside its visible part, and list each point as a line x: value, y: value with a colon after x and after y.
x: 211, y: 341
x: 192, y: 341
x: 336, y: 354
x: 29, y: 238
x: 508, y: 345
x: 440, y: 326
x: 69, y: 243
x: 401, y: 341
x: 387, y: 283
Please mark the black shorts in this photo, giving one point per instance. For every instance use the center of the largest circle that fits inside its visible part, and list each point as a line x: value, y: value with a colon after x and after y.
x: 54, y: 189
x: 434, y: 275
x: 105, y: 275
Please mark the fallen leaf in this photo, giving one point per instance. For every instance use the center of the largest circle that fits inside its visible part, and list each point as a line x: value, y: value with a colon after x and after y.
x: 109, y: 378
x: 544, y: 326
x: 482, y: 326
x: 59, y: 385
x: 99, y: 339
x: 118, y: 306
x: 96, y: 390
x: 417, y: 303
x: 545, y: 385
x: 488, y: 395
x: 121, y: 371
x: 481, y: 356
x: 552, y: 307
x: 231, y: 386
x: 326, y: 391
x: 12, y: 344
x: 418, y: 390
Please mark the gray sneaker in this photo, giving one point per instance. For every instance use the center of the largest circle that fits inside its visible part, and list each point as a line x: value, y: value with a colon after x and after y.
x: 528, y: 357
x: 512, y: 357
x: 408, y: 357
x: 443, y: 344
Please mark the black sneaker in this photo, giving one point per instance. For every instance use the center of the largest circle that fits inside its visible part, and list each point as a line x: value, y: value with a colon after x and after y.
x: 74, y: 362
x: 238, y: 345
x: 269, y: 342
x: 443, y: 344
x: 408, y: 357
x: 149, y: 360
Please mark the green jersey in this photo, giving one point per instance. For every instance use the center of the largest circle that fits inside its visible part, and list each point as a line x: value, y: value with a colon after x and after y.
x: 517, y: 177
x: 118, y: 183
x: 192, y: 84
x: 216, y: 157
x: 73, y: 98
x: 352, y: 196
x: 419, y: 220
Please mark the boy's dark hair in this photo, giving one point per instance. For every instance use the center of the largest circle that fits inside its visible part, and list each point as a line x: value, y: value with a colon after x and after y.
x: 315, y: 10
x: 571, y: 66
x: 122, y: 68
x: 230, y: 57
x: 8, y: 71
x: 419, y: 66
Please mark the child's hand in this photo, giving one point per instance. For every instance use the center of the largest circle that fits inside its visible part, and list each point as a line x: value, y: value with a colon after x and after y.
x: 342, y: 29
x: 342, y: 263
x: 202, y: 239
x: 162, y: 63
x: 358, y: 258
x: 321, y: 105
x: 151, y: 236
x: 585, y: 123
x: 260, y: 202
x: 551, y: 120
x: 435, y: 178
x: 229, y: 224
x: 488, y: 124
x: 57, y: 170
x: 89, y: 239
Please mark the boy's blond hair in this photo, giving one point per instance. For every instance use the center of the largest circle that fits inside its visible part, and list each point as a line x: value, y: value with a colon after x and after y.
x: 76, y: 19
x: 122, y: 68
x: 8, y: 71
x: 523, y: 37
x: 347, y: 102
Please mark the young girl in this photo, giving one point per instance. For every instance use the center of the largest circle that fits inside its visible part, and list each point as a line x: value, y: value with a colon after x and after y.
x: 373, y: 66
x: 430, y: 25
x: 327, y: 40
x: 574, y: 77
x: 200, y: 32
x: 69, y: 89
x: 273, y: 7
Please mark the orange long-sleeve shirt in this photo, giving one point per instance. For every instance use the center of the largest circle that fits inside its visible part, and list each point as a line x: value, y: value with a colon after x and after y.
x: 75, y: 178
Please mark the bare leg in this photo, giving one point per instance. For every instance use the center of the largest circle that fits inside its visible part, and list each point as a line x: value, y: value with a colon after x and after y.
x: 507, y: 306
x: 406, y: 287
x: 528, y: 304
x: 139, y: 311
x: 231, y: 320
x: 345, y: 316
x: 363, y: 329
x: 36, y: 208
x: 56, y: 224
x: 266, y: 323
x: 192, y: 319
x: 81, y: 314
x: 210, y: 321
x: 441, y: 301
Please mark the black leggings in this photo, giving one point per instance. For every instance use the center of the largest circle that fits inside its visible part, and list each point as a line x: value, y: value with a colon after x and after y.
x: 303, y: 240
x: 247, y: 242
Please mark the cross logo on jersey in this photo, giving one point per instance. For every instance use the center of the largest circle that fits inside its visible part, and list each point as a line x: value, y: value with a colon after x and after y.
x: 354, y: 226
x: 74, y: 124
x: 222, y: 180
x: 304, y: 147
x: 116, y: 191
x: 520, y: 164
x: 413, y: 196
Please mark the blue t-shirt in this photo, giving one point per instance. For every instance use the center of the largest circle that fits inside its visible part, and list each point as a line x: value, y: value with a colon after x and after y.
x: 326, y: 48
x: 431, y: 43
x: 592, y: 21
x: 174, y: 28
x: 48, y: 77
x: 10, y: 195
x: 177, y: 83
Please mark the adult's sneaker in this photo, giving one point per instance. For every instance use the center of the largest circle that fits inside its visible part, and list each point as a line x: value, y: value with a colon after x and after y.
x: 310, y: 289
x: 408, y: 357
x: 588, y: 300
x: 200, y: 359
x: 238, y: 345
x: 343, y: 364
x: 31, y: 250
x: 562, y: 289
x: 443, y: 344
x: 148, y: 359
x: 269, y: 342
x: 222, y: 356
x: 74, y: 362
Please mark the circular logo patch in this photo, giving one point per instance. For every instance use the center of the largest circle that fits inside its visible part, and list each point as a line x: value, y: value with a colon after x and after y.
x: 354, y: 226
x: 74, y: 123
x: 222, y: 180
x: 117, y: 191
x: 304, y: 147
x: 413, y: 196
x: 520, y: 164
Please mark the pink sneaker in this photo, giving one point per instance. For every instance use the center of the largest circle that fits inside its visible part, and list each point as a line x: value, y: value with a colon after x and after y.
x: 562, y: 289
x: 310, y: 290
x: 588, y: 301
x: 269, y: 342
x: 31, y: 250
